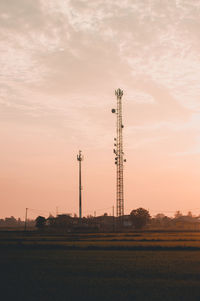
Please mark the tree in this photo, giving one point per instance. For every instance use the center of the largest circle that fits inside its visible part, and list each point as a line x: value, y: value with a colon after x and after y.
x: 50, y: 221
x: 178, y: 214
x: 140, y: 217
x: 40, y: 222
x: 189, y: 214
x: 159, y: 216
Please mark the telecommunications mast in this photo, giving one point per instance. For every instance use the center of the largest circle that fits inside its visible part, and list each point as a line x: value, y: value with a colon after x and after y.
x: 119, y: 155
x: 80, y: 159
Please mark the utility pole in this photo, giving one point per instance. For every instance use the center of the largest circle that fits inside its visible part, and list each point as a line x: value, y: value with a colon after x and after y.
x: 26, y: 214
x: 119, y: 155
x: 113, y: 212
x: 80, y: 159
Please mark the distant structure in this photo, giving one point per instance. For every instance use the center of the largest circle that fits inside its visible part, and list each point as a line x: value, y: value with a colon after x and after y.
x: 26, y: 218
x: 119, y: 155
x: 80, y: 159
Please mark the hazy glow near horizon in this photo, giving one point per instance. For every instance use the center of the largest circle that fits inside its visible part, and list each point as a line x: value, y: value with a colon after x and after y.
x: 60, y: 63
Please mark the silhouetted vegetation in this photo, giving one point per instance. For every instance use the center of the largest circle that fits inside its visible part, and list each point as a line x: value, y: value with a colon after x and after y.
x: 40, y: 222
x: 12, y: 222
x: 140, y: 218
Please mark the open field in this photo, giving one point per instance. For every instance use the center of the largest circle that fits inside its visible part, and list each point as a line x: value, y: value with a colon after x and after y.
x: 99, y: 275
x: 146, y: 240
x: 43, y: 267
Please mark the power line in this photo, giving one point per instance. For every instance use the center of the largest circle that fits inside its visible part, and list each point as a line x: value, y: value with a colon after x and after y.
x: 101, y: 209
x: 38, y: 210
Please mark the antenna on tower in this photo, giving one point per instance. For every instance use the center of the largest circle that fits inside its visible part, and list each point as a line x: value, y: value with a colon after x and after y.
x: 80, y: 159
x: 119, y: 155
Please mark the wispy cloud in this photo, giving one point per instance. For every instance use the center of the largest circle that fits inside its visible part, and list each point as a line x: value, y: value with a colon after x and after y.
x: 59, y: 57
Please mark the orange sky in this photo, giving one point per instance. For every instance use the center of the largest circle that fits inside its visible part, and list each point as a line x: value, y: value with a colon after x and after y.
x: 60, y: 64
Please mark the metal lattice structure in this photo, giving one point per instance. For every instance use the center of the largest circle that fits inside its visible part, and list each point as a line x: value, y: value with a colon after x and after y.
x: 80, y: 159
x: 119, y: 155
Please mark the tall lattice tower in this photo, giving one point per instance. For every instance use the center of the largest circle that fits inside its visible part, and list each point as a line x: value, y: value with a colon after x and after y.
x: 119, y: 154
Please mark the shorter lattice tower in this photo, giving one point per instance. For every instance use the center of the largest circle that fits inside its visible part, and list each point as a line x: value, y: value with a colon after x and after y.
x: 80, y: 159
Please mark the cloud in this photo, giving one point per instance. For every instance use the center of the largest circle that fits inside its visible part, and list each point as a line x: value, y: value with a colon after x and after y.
x: 192, y: 124
x: 167, y: 50
x: 63, y: 59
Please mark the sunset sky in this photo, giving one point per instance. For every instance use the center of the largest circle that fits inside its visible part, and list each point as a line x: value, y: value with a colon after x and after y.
x: 60, y: 64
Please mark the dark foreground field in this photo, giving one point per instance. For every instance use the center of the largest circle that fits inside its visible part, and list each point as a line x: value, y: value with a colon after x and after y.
x: 49, y: 273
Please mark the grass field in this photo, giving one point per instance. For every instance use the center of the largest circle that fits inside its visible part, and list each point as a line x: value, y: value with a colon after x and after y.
x: 136, y: 240
x: 31, y: 268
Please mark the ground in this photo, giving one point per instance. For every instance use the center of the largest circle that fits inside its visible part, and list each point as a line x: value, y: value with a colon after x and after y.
x: 56, y: 272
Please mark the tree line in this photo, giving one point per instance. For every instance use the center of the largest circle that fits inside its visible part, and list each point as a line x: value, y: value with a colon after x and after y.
x: 139, y: 218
